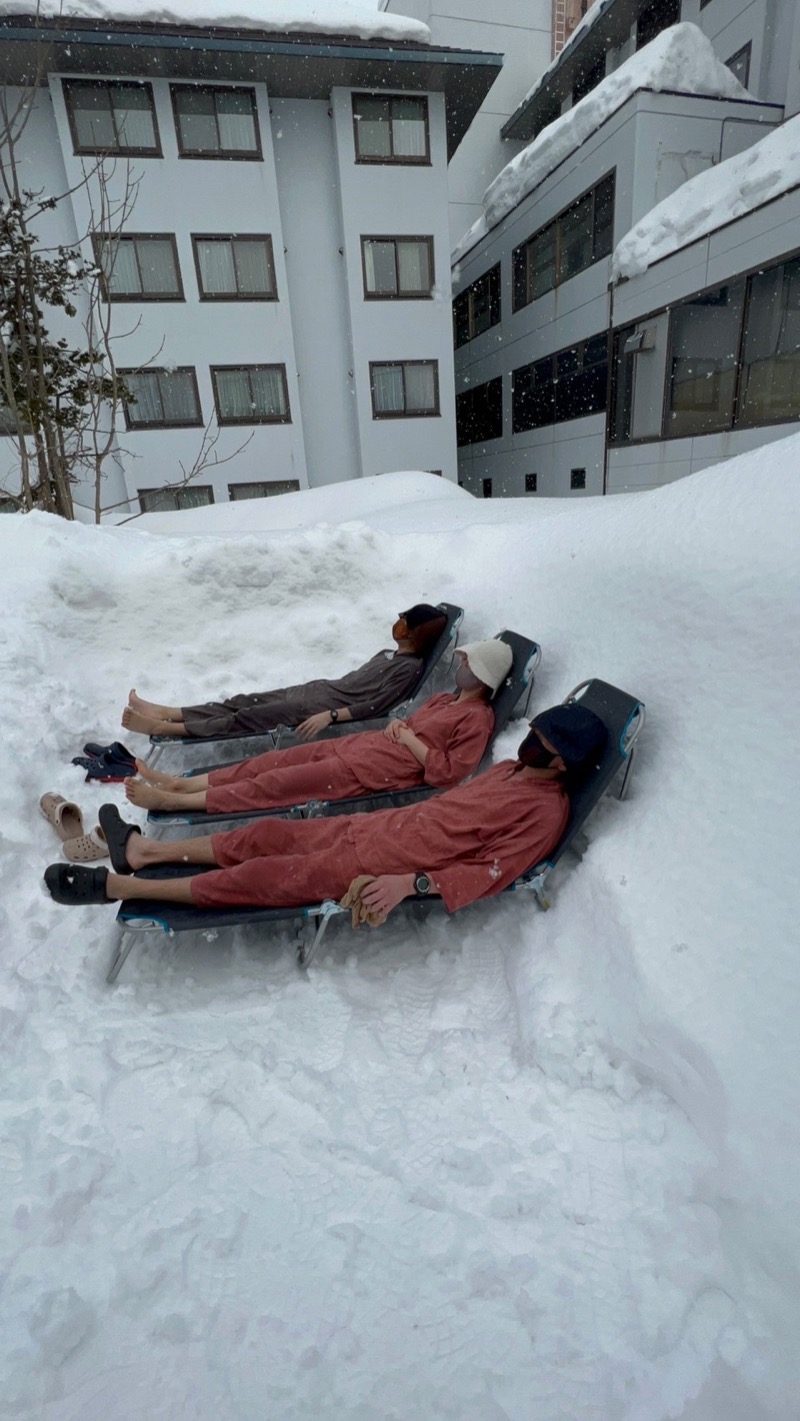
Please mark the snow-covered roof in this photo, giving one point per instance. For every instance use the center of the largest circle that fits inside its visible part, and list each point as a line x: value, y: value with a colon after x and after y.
x: 341, y: 17
x: 585, y: 23
x: 681, y: 59
x: 713, y: 198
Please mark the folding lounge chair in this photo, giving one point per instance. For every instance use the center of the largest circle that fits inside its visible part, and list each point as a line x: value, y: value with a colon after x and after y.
x: 623, y: 715
x: 437, y: 659
x: 517, y: 686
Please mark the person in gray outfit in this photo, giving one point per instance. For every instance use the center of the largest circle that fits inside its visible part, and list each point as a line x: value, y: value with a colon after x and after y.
x: 371, y: 690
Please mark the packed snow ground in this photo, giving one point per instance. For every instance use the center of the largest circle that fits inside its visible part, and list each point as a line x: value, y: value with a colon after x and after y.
x: 510, y: 1164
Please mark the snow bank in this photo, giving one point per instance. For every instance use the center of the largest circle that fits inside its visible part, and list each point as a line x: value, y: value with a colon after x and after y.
x: 720, y: 195
x: 680, y: 59
x: 510, y: 1164
x: 338, y: 17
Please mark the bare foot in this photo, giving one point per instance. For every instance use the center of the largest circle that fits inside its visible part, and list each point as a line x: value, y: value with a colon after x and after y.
x: 145, y: 795
x: 159, y: 779
x: 135, y: 852
x: 144, y: 724
x: 146, y: 707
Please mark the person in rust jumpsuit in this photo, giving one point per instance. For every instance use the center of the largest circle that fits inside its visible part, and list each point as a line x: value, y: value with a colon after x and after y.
x: 439, y: 745
x: 466, y: 844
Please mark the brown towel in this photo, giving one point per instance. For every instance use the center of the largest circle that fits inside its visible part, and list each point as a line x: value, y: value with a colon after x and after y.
x: 359, y: 912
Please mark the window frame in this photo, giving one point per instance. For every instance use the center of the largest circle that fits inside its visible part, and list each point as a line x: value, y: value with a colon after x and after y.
x: 582, y: 367
x: 224, y: 421
x: 398, y: 295
x: 262, y: 483
x: 392, y: 160
x: 405, y: 413
x: 67, y: 86
x: 98, y: 238
x: 747, y: 50
x: 522, y: 270
x: 234, y: 155
x: 532, y: 483
x: 195, y: 488
x: 577, y: 480
x: 134, y: 426
x: 487, y: 390
x: 233, y: 237
x: 467, y: 297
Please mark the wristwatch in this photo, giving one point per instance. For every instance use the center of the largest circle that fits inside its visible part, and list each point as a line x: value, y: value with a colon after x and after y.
x: 334, y: 714
x: 422, y: 883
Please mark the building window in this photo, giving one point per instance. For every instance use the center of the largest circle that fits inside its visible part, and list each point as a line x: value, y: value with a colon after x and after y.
x: 109, y: 117
x: 143, y: 267
x: 656, y: 16
x: 397, y: 268
x: 589, y: 79
x: 479, y: 413
x: 8, y: 505
x: 575, y: 240
x: 216, y: 123
x: 404, y: 388
x: 770, y: 367
x: 478, y: 308
x: 739, y: 64
x: 704, y: 348
x: 569, y: 385
x: 577, y: 478
x: 251, y: 394
x: 164, y: 398
x: 262, y: 490
x: 235, y: 268
x: 531, y: 483
x: 622, y: 385
x: 391, y: 129
x: 169, y: 500
x: 487, y: 488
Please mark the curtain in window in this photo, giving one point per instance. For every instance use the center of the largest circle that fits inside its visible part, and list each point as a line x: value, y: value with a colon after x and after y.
x: 237, y: 130
x: 157, y: 267
x: 134, y: 117
x: 268, y: 392
x: 233, y: 394
x: 420, y: 387
x: 144, y: 387
x: 197, y: 121
x: 379, y: 263
x: 217, y: 271
x: 253, y: 268
x: 408, y: 128
x: 770, y: 378
x: 121, y: 270
x: 387, y: 384
x: 372, y: 128
x: 91, y: 111
x: 705, y: 341
x: 194, y: 497
x: 178, y: 395
x: 413, y: 266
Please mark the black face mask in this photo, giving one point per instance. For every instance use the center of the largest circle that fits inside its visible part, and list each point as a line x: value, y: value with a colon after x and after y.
x: 533, y: 754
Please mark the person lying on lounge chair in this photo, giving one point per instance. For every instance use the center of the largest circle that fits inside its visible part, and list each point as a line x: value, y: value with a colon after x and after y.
x: 465, y: 844
x: 439, y: 745
x: 382, y: 682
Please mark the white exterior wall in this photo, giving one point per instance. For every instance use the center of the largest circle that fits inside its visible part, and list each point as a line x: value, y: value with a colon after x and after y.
x: 520, y: 30
x: 315, y: 202
x: 648, y: 142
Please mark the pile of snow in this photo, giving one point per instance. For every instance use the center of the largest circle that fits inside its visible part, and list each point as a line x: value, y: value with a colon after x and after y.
x: 680, y: 59
x: 338, y: 17
x: 733, y: 188
x: 508, y: 1164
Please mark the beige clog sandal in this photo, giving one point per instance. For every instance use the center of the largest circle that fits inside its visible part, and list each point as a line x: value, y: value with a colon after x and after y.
x: 65, y: 817
x: 87, y: 848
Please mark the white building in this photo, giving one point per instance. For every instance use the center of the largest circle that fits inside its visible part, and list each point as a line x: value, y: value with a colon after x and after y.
x: 569, y: 382
x: 284, y: 273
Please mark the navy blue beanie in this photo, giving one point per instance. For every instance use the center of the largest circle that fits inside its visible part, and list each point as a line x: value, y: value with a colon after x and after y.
x: 577, y: 733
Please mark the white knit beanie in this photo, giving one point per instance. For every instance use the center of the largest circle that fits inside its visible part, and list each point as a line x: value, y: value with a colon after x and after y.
x: 490, y: 661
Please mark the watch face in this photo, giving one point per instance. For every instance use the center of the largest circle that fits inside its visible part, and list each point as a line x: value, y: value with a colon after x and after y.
x: 422, y: 883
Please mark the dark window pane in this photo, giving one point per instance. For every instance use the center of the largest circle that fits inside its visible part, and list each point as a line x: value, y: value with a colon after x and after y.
x: 481, y: 307
x: 604, y: 217
x: 657, y: 16
x: 479, y: 413
x: 575, y: 239
x: 543, y: 262
x: 487, y: 488
x: 704, y: 336
x: 577, y: 478
x: 519, y: 277
x: 739, y: 64
x: 531, y: 483
x: 461, y: 319
x: 770, y: 379
x: 589, y: 78
x: 622, y: 388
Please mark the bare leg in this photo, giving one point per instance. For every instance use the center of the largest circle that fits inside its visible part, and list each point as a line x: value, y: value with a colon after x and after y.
x: 167, y: 890
x: 153, y: 708
x: 148, y: 797
x: 149, y: 725
x: 178, y: 784
x: 143, y: 853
